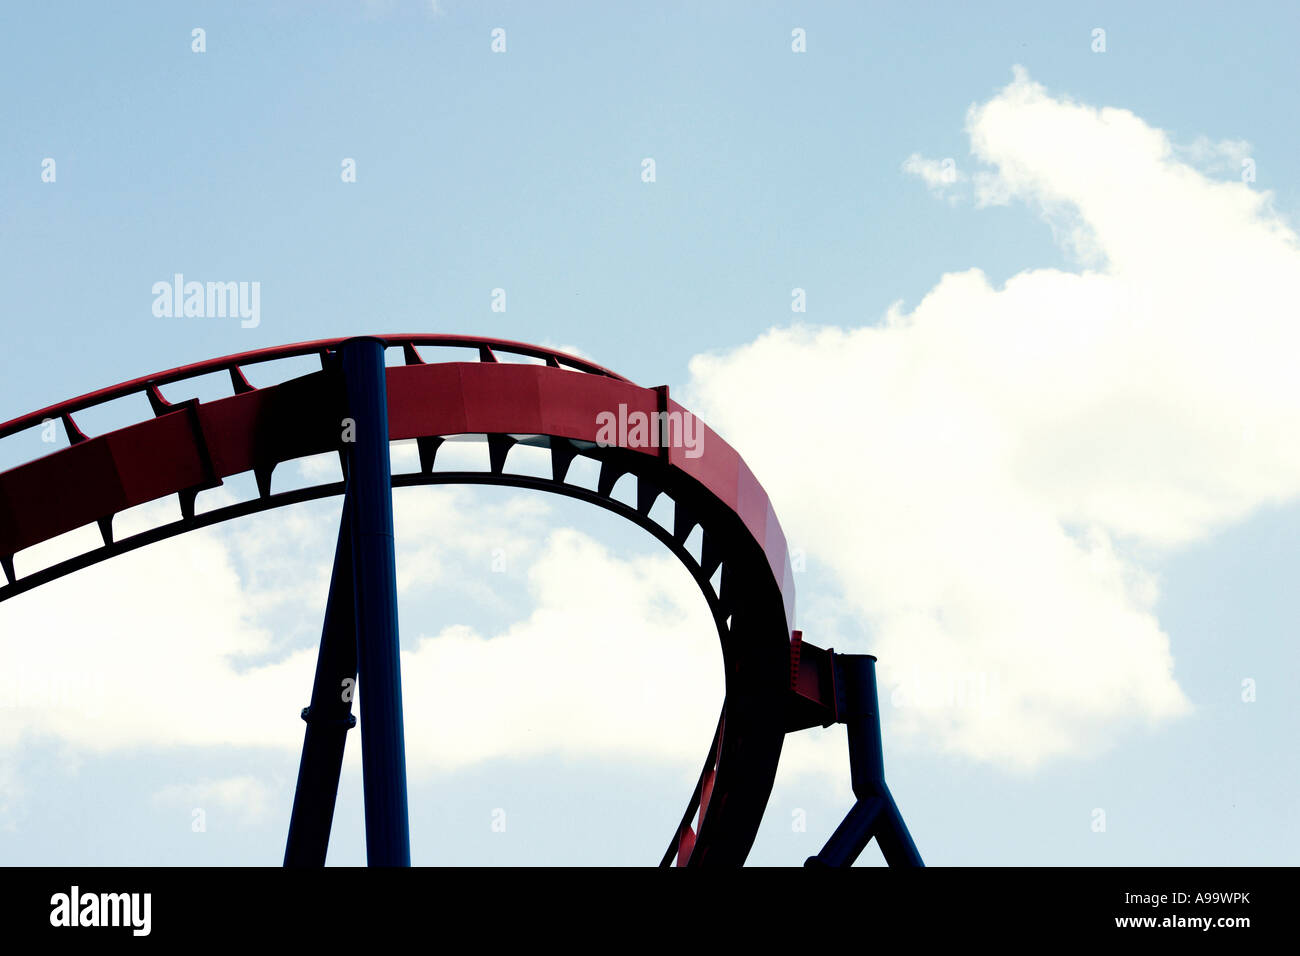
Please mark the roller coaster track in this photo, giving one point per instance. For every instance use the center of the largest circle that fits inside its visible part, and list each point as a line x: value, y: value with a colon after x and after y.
x: 512, y: 395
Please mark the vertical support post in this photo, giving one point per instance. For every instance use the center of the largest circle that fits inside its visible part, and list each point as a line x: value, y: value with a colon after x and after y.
x: 875, y: 813
x: 855, y: 681
x: 370, y: 501
x: 328, y: 718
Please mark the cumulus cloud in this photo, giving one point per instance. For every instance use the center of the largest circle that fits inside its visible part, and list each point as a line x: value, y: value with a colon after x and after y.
x: 984, y: 472
x: 618, y: 659
x: 170, y: 646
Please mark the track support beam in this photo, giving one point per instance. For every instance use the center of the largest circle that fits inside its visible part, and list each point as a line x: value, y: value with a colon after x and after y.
x: 374, y: 569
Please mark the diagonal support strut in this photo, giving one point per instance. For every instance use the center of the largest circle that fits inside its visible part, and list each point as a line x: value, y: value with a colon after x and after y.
x: 329, y: 717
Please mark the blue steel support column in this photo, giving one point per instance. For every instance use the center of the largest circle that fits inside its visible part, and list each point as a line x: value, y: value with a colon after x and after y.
x: 379, y: 679
x: 875, y: 813
x: 867, y: 759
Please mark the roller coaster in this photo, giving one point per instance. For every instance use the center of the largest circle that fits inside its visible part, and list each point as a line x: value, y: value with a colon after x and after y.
x: 513, y: 394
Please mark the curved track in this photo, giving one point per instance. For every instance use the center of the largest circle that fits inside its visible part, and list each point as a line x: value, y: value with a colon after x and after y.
x: 548, y: 400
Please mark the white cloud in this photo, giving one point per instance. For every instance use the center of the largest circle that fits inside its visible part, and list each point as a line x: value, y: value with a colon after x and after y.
x: 979, y: 472
x: 618, y: 659
x: 146, y: 649
x: 247, y: 799
x: 168, y: 647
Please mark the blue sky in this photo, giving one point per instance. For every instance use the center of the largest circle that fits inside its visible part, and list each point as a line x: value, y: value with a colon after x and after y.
x: 774, y: 171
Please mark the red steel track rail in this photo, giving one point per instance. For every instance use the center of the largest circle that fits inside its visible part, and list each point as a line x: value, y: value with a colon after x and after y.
x: 550, y: 401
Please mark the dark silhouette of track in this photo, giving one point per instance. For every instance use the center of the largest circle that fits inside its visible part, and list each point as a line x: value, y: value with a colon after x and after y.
x: 775, y: 683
